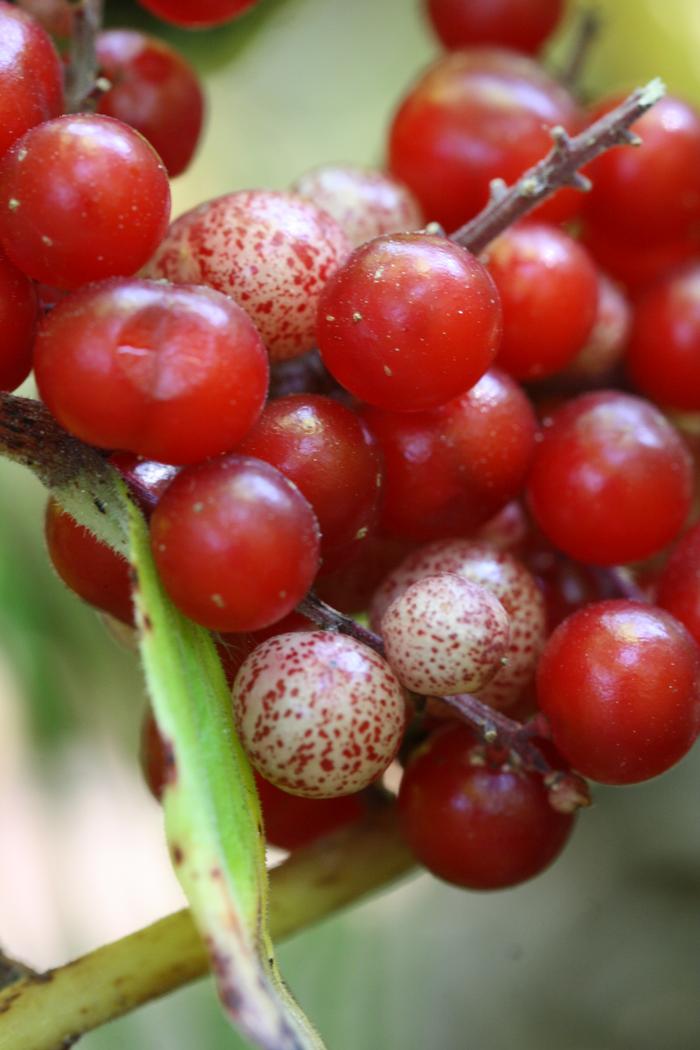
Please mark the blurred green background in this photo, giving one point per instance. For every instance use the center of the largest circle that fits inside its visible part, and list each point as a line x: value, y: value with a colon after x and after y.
x: 603, y: 952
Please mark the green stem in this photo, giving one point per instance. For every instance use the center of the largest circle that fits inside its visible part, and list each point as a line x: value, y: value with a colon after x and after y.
x: 50, y: 1011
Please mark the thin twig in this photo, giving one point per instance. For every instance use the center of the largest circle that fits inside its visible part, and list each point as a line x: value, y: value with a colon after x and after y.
x: 329, y: 619
x: 82, y: 69
x: 585, y: 34
x: 558, y: 169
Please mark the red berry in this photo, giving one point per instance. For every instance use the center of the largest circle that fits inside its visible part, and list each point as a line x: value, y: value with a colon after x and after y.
x: 197, y: 15
x: 606, y: 344
x: 449, y: 470
x: 548, y: 286
x: 91, y: 569
x: 147, y: 479
x: 620, y: 685
x: 235, y: 542
x: 169, y: 372
x: 292, y: 822
x: 637, y: 264
x: 82, y: 197
x: 476, y: 820
x: 325, y: 449
x: 31, y: 76
x: 320, y: 714
x: 271, y: 252
x: 409, y: 322
x: 472, y: 117
x: 663, y: 357
x: 154, y: 90
x: 649, y: 194
x: 18, y: 319
x: 523, y: 25
x: 611, y: 481
x: 679, y: 583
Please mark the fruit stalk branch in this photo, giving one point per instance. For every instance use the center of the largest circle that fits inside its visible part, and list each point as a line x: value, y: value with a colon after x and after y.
x: 82, y: 69
x: 50, y: 1011
x: 559, y: 168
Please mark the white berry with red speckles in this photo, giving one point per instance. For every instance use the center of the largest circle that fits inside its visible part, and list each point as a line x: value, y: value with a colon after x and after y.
x: 272, y: 252
x: 445, y: 635
x: 504, y: 576
x: 319, y: 714
x: 366, y: 203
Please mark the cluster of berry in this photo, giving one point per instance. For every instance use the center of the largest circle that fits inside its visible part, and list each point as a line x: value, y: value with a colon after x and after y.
x: 306, y: 388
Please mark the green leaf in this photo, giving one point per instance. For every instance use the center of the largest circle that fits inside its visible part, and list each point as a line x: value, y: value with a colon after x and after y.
x: 212, y: 814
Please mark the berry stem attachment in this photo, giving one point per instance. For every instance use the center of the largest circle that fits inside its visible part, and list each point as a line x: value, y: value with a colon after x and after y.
x: 329, y: 619
x: 49, y: 1011
x: 558, y: 169
x: 82, y: 69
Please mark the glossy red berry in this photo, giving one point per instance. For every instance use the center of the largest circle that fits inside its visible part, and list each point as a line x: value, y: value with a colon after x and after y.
x: 319, y: 714
x: 18, y: 320
x: 82, y: 197
x: 523, y: 25
x: 235, y: 543
x: 31, y: 76
x: 650, y: 194
x: 409, y: 322
x: 325, y: 449
x: 474, y: 819
x: 449, y: 470
x: 201, y: 14
x: 679, y: 584
x: 271, y: 252
x: 548, y: 285
x: 154, y: 90
x: 611, y: 481
x: 169, y: 372
x: 663, y: 356
x: 474, y: 116
x: 91, y: 569
x: 619, y: 682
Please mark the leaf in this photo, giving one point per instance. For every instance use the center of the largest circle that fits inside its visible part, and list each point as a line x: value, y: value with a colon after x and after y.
x: 212, y: 814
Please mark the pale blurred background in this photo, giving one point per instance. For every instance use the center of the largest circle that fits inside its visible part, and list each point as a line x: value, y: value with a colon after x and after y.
x: 603, y: 952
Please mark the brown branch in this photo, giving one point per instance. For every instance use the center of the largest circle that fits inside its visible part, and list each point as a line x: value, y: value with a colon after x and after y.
x: 329, y: 619
x: 558, y: 169
x: 82, y: 70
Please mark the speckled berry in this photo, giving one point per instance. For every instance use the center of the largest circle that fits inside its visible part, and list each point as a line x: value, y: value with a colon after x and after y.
x: 320, y: 715
x: 506, y: 578
x: 366, y: 203
x: 272, y: 252
x: 445, y: 635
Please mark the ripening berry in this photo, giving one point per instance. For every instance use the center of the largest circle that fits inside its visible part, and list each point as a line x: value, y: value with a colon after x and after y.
x: 235, y: 543
x: 31, y: 75
x: 409, y: 322
x: 271, y: 252
x: 679, y: 584
x: 169, y: 372
x: 619, y: 682
x: 319, y: 714
x: 506, y: 578
x: 82, y: 197
x: 445, y: 635
x: 605, y: 345
x: 365, y: 202
x: 473, y: 818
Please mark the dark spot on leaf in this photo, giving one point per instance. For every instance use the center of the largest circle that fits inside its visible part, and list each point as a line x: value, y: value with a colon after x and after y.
x: 177, y: 853
x: 100, y: 505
